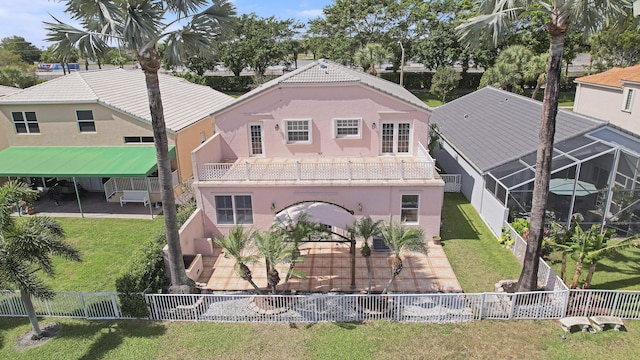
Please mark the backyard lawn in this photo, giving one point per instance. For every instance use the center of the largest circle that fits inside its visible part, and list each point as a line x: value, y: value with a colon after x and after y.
x: 107, y: 245
x: 477, y: 258
x: 485, y: 339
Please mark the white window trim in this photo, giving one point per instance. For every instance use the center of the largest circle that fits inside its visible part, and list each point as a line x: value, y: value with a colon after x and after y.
x: 261, y: 137
x: 395, y: 137
x: 93, y: 120
x: 286, y: 131
x: 417, y: 210
x: 628, y: 98
x: 335, y: 129
x: 25, y: 122
x: 233, y: 208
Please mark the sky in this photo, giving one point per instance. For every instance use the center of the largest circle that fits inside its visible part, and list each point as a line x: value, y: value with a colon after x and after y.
x: 25, y: 17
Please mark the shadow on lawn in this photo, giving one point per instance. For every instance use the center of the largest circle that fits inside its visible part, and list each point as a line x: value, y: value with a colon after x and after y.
x: 111, y: 334
x: 7, y: 324
x: 456, y: 223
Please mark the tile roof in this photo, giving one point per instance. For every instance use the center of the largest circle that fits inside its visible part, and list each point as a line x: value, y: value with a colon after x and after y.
x: 490, y: 127
x: 8, y: 90
x: 613, y: 77
x: 327, y: 72
x: 184, y: 103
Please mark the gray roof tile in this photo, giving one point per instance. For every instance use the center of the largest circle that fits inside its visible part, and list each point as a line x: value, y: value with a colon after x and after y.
x: 184, y: 103
x: 490, y: 127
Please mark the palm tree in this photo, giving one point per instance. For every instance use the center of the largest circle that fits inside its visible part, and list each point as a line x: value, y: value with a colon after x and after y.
x: 238, y: 246
x: 399, y: 239
x: 296, y: 232
x: 275, y: 251
x: 501, y: 75
x: 584, y: 14
x: 26, y: 247
x: 367, y: 229
x: 371, y: 55
x: 536, y: 70
x: 138, y: 26
x: 560, y: 239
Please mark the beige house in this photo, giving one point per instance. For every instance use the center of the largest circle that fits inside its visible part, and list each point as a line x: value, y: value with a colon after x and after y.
x: 613, y: 95
x: 107, y: 108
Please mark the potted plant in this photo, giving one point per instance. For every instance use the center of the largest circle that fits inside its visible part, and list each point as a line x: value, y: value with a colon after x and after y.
x: 436, y: 240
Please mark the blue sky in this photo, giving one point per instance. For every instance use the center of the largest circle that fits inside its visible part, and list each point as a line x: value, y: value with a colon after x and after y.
x: 24, y: 17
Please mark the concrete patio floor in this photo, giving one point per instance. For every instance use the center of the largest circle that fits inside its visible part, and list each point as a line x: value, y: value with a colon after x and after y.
x: 94, y: 205
x: 328, y: 268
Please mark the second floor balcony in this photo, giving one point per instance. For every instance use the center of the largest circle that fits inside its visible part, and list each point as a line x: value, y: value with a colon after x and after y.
x: 321, y: 169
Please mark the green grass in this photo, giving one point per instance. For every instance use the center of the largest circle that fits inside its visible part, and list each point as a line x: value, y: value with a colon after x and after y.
x: 565, y: 99
x: 107, y: 246
x: 619, y: 272
x: 434, y: 101
x: 477, y: 258
x: 485, y: 339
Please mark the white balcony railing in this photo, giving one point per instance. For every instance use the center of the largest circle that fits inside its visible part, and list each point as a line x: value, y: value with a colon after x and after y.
x: 114, y: 185
x: 300, y: 170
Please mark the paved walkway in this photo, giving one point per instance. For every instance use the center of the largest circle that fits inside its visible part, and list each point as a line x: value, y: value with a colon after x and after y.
x: 328, y: 268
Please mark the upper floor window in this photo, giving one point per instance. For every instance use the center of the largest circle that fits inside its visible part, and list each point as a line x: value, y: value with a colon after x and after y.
x: 236, y: 209
x: 628, y: 100
x: 396, y: 137
x: 347, y: 128
x: 25, y: 122
x: 85, y: 121
x: 138, y: 139
x: 298, y: 131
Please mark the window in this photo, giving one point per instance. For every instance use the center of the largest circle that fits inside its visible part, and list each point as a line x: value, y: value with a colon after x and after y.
x: 409, y: 208
x: 85, y: 121
x: 628, y: 100
x: 396, y: 138
x: 138, y: 139
x: 298, y: 131
x: 25, y: 122
x: 255, y: 133
x: 347, y: 128
x: 236, y: 209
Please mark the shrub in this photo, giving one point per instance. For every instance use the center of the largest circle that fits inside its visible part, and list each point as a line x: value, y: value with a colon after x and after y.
x: 145, y: 275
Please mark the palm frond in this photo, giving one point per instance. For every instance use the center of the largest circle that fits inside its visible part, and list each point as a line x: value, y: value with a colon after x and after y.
x: 66, y: 37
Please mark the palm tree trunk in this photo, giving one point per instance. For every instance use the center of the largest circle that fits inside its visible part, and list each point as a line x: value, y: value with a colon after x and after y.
x: 352, y: 252
x: 286, y: 278
x: 150, y: 62
x: 33, y: 318
x: 592, y: 270
x: 576, y: 275
x: 386, y: 288
x: 563, y: 270
x: 255, y: 287
x: 529, y: 276
x: 536, y: 89
x: 369, y: 275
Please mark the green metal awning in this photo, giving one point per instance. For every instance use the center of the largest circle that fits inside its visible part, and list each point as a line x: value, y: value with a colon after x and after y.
x: 80, y: 161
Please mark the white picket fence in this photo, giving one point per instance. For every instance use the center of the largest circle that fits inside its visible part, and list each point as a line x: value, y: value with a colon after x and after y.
x: 452, y: 182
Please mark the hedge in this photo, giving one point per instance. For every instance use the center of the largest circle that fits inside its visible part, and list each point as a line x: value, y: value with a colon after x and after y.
x: 422, y: 80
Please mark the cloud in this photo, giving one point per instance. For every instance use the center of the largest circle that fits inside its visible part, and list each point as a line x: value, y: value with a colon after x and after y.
x: 311, y: 13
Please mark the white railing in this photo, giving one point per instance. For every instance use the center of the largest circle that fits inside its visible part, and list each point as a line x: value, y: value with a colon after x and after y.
x: 427, y: 308
x: 118, y: 184
x: 452, y: 182
x: 349, y: 170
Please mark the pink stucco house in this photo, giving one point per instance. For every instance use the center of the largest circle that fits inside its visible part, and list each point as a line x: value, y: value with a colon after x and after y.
x: 323, y: 137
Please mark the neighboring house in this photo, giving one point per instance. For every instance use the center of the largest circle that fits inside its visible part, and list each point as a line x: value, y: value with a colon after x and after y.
x: 613, y: 95
x: 490, y: 137
x: 8, y: 90
x: 107, y: 109
x: 323, y: 139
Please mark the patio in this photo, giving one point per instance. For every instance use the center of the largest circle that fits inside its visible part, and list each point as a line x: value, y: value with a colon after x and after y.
x: 328, y: 268
x: 94, y: 205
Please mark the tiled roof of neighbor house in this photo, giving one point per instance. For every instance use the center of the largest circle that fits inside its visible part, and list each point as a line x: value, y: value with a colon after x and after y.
x: 184, y: 103
x: 8, y: 90
x: 326, y: 72
x: 490, y: 127
x: 613, y: 77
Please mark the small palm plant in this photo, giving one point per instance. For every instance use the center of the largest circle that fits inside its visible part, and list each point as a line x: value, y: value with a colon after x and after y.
x: 275, y: 251
x: 296, y: 231
x: 399, y: 239
x: 560, y: 239
x: 238, y: 246
x: 26, y: 247
x: 367, y: 229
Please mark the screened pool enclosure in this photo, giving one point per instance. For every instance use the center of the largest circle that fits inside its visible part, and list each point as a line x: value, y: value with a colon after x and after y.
x: 594, y: 176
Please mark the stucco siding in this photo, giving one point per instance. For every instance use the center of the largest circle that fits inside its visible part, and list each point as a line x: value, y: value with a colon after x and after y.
x: 320, y: 104
x: 59, y: 127
x: 606, y: 104
x: 189, y: 139
x: 379, y: 202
